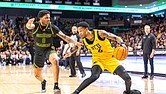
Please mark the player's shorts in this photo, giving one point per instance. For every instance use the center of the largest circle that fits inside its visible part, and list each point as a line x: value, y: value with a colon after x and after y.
x: 41, y: 56
x: 109, y: 65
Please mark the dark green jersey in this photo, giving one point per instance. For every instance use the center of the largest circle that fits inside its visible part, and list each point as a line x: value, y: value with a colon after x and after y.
x: 43, y: 35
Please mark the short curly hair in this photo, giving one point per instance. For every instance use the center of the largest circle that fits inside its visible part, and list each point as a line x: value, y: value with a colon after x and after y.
x: 83, y: 24
x: 42, y: 13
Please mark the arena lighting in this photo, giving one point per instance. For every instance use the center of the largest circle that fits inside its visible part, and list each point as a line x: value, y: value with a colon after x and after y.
x: 158, y: 8
x: 80, y: 8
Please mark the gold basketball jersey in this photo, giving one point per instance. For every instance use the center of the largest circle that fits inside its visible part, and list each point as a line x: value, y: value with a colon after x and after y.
x: 101, y: 49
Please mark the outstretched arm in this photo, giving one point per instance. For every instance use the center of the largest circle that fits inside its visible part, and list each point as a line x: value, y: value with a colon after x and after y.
x: 67, y: 38
x: 30, y: 24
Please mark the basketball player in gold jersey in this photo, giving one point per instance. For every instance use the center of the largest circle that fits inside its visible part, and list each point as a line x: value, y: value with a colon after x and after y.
x: 98, y: 43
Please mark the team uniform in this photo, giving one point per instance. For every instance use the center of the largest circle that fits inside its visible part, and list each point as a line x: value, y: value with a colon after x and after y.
x: 43, y: 39
x: 102, y: 58
x: 102, y: 53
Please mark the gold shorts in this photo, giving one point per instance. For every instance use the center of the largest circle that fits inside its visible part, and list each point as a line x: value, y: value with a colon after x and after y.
x: 109, y: 65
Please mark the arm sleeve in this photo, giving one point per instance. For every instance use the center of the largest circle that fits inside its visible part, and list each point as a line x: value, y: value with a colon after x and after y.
x: 153, y: 42
x: 142, y: 44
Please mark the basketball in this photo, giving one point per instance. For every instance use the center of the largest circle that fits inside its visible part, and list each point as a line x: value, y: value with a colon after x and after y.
x: 120, y: 53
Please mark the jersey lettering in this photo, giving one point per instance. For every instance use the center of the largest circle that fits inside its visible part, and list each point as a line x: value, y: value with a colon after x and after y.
x: 43, y: 45
x: 43, y: 40
x: 97, y: 47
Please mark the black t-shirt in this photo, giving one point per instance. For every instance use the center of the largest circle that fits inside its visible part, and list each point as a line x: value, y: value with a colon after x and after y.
x: 43, y: 35
x: 148, y: 43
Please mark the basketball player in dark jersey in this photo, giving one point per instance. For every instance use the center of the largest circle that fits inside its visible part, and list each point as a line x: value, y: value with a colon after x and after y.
x: 43, y: 32
x: 97, y: 41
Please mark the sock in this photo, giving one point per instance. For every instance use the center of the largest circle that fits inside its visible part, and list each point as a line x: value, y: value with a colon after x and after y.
x: 43, y: 81
x: 56, y: 86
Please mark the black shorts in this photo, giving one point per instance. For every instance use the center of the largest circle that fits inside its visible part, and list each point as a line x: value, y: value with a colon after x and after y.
x: 41, y: 56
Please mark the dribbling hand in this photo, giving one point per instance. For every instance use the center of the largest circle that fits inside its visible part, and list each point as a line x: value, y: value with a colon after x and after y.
x: 123, y: 45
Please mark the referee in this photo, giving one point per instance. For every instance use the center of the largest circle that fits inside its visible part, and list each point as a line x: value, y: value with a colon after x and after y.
x: 75, y: 56
x: 148, y: 47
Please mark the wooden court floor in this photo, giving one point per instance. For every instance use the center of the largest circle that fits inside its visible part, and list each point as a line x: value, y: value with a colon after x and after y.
x: 20, y: 80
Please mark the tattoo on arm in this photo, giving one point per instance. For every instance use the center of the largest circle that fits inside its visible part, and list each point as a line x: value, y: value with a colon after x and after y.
x: 104, y: 34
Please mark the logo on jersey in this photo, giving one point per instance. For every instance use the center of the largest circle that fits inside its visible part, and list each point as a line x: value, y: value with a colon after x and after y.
x: 97, y: 47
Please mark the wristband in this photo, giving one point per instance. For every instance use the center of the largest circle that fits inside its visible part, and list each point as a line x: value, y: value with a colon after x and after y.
x: 122, y: 43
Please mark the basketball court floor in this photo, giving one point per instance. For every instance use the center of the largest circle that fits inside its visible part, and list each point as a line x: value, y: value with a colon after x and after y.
x: 20, y: 79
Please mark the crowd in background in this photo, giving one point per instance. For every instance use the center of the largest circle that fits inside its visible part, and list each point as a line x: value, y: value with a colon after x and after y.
x: 16, y: 43
x: 133, y: 38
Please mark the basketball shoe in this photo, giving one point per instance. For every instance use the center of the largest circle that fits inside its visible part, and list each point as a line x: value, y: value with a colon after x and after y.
x: 57, y: 90
x: 43, y: 85
x: 134, y: 91
x: 145, y: 77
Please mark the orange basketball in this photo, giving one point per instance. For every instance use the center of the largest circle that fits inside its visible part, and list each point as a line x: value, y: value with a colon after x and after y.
x: 120, y: 53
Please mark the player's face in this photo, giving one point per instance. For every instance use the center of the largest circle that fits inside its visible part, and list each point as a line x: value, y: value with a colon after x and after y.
x: 45, y: 19
x: 82, y: 32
